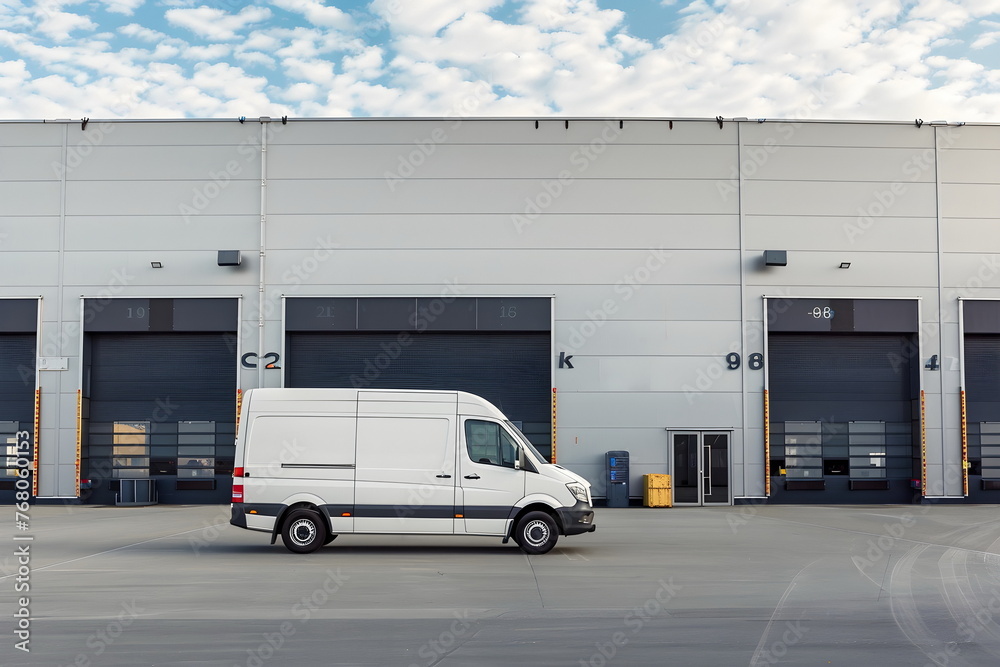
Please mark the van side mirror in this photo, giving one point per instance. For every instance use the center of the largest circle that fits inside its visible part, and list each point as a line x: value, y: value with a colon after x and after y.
x: 519, y: 460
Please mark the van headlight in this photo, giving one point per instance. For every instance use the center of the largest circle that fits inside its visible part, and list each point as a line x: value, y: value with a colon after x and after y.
x: 578, y: 490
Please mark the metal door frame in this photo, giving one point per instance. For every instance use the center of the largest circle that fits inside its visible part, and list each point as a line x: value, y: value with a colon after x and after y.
x: 701, y: 466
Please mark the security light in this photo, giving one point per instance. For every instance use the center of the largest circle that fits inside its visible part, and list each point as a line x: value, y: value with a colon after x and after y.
x: 775, y: 258
x: 229, y: 258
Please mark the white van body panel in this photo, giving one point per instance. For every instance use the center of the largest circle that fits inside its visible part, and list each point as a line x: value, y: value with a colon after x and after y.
x: 391, y: 461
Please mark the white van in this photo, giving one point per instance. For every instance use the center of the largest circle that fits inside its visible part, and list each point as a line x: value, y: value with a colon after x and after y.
x: 313, y: 464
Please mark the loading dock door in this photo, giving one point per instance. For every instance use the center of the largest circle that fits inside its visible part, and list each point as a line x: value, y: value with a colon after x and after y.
x: 497, y: 348
x: 511, y: 370
x: 844, y: 400
x: 17, y: 404
x: 981, y: 383
x: 18, y: 321
x: 160, y: 398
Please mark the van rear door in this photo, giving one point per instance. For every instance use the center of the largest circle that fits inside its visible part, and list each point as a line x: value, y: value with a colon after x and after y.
x: 287, y: 454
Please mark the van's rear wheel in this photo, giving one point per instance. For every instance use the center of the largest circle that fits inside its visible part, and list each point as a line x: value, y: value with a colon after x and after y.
x: 303, y: 531
x: 536, y: 533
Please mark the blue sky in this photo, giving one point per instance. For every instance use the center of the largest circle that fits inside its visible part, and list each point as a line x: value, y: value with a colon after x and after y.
x: 826, y: 59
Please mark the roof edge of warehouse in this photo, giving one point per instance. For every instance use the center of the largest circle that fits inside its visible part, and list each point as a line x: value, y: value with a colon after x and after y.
x: 738, y: 119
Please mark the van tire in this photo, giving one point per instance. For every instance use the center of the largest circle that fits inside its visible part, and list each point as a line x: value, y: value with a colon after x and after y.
x: 303, y: 531
x: 536, y: 533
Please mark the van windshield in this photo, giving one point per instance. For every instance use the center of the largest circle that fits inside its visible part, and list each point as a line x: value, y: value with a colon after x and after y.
x: 526, y: 443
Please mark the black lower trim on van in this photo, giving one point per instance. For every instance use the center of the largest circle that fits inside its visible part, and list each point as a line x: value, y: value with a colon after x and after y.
x: 240, y: 511
x: 577, y: 519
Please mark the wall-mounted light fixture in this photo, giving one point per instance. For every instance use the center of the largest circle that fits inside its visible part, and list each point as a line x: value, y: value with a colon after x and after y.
x: 156, y: 265
x: 845, y: 265
x: 229, y: 258
x: 775, y: 258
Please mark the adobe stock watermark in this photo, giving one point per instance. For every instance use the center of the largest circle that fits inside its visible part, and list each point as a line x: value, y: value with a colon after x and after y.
x: 296, y: 275
x: 910, y: 350
x: 212, y: 528
x: 99, y: 642
x: 753, y: 157
x: 433, y: 650
x: 776, y: 651
x: 694, y: 42
x: 410, y: 162
x: 884, y: 199
x: 102, y: 469
x: 55, y: 341
x: 716, y: 369
x: 625, y: 289
x: 972, y: 625
x: 552, y: 189
x: 302, y: 611
x: 220, y: 179
x: 879, y: 547
x: 421, y: 320
x: 426, y: 492
x: 983, y: 277
x: 633, y: 623
x: 94, y: 135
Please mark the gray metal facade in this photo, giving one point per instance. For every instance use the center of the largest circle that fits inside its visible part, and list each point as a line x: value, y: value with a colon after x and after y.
x: 648, y: 235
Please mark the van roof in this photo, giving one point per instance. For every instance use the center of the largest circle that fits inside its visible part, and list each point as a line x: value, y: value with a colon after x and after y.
x: 468, y: 403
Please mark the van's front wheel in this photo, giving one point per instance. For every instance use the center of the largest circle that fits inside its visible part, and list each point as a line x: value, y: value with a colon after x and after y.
x: 303, y: 531
x: 536, y: 533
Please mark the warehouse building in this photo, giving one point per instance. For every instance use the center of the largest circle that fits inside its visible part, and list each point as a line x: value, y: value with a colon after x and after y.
x: 768, y: 311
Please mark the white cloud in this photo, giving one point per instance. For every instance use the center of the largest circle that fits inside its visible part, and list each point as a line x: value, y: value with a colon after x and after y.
x: 863, y: 59
x: 300, y: 92
x: 255, y: 58
x: 141, y: 32
x: 126, y: 7
x: 989, y: 36
x: 59, y: 25
x: 365, y: 65
x: 206, y: 53
x: 317, y: 13
x: 428, y: 16
x: 215, y: 23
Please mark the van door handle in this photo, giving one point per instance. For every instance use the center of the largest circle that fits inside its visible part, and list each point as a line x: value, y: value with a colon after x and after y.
x: 444, y: 476
x: 472, y: 476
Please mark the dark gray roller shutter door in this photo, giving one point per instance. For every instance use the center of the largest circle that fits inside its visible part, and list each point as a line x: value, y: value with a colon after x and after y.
x: 840, y: 378
x: 982, y: 377
x: 135, y: 374
x: 511, y: 370
x: 17, y: 378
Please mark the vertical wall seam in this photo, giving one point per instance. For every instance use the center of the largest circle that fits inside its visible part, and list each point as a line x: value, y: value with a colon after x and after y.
x: 942, y: 410
x: 743, y: 325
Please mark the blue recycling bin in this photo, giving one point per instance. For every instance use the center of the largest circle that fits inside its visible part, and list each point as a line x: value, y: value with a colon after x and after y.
x: 617, y: 479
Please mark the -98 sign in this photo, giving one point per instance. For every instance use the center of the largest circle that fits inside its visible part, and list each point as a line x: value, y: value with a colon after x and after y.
x: 755, y: 361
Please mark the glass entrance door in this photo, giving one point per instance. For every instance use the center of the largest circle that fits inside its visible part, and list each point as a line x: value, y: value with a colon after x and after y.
x: 700, y: 467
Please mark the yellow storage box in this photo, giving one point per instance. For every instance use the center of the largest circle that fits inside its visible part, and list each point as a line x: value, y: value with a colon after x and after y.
x: 657, y: 491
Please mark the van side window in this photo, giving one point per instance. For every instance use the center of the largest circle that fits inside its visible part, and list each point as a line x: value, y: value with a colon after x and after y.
x: 488, y: 443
